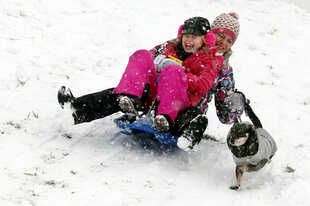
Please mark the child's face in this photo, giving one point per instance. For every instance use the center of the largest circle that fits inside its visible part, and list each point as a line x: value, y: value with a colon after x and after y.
x: 191, y: 42
x: 224, y: 42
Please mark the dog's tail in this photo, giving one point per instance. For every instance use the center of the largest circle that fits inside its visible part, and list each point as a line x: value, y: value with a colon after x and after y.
x: 250, y: 113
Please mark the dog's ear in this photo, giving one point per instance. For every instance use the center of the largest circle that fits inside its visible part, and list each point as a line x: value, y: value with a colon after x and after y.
x: 250, y: 127
x: 251, y: 131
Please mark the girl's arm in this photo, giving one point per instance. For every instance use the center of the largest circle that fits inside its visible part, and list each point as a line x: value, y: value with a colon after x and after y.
x: 202, y: 82
x: 225, y: 84
x: 204, y: 70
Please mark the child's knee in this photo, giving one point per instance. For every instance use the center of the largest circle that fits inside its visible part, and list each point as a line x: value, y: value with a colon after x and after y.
x: 173, y: 68
x: 141, y: 53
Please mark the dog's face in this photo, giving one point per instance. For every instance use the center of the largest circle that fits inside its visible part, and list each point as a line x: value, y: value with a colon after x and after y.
x: 240, y: 133
x: 242, y: 139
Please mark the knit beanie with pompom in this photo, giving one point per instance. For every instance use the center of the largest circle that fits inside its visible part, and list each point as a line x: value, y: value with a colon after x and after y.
x: 227, y: 24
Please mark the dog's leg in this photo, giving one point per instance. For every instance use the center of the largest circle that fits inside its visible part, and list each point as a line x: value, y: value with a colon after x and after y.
x: 239, y: 173
x: 269, y: 160
x: 246, y: 168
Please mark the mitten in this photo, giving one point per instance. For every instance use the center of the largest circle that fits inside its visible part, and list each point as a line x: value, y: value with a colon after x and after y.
x: 157, y: 62
x: 166, y: 62
x: 235, y: 101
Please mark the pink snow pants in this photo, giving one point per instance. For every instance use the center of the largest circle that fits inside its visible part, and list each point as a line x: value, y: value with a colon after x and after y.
x: 171, y: 89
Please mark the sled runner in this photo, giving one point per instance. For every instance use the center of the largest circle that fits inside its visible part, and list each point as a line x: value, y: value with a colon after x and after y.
x: 131, y: 126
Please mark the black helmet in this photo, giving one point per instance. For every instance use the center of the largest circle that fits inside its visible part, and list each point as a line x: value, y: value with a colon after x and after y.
x: 198, y: 26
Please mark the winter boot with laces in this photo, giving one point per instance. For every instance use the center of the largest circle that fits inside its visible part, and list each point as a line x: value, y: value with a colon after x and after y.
x: 161, y: 123
x: 193, y: 133
x: 64, y: 96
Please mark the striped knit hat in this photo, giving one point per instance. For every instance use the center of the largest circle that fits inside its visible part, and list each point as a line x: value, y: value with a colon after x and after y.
x: 227, y: 24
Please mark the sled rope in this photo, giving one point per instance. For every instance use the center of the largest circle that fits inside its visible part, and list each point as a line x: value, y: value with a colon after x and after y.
x: 150, y: 109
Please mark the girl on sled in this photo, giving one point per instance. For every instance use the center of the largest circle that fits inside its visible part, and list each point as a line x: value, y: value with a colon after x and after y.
x: 175, y: 76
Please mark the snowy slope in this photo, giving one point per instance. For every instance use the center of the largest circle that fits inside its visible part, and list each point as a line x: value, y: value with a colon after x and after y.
x: 45, y: 160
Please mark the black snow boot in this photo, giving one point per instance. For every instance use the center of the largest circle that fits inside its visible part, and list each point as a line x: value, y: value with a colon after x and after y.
x: 193, y: 132
x: 64, y: 96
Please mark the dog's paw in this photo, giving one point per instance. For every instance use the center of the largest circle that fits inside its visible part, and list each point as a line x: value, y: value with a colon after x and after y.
x: 234, y: 187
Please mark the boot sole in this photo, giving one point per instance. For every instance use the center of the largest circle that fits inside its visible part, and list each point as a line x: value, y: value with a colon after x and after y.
x: 127, y: 106
x: 161, y: 124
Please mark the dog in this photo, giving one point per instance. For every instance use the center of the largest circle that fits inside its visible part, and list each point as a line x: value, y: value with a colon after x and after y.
x: 251, y: 145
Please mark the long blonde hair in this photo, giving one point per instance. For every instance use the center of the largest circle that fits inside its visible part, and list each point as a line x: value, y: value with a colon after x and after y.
x: 226, y: 56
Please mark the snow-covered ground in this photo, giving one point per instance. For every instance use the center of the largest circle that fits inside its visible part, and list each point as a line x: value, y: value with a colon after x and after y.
x: 304, y: 4
x: 85, y: 44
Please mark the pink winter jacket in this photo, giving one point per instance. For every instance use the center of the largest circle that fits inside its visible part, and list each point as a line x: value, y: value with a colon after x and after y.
x: 201, y: 71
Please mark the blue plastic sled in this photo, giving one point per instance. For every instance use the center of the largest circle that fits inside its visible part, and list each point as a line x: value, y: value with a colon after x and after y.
x: 131, y: 126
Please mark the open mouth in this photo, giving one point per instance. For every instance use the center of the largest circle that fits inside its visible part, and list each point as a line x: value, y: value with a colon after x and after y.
x: 189, y: 47
x: 220, y: 47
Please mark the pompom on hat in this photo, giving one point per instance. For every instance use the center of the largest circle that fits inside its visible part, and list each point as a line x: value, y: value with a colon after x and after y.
x: 227, y: 24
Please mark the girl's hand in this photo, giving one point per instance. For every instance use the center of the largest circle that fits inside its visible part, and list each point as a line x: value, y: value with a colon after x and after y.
x: 161, y: 63
x: 234, y: 101
x: 157, y: 62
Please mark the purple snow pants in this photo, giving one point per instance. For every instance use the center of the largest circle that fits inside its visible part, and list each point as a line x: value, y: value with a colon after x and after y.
x: 171, y: 89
